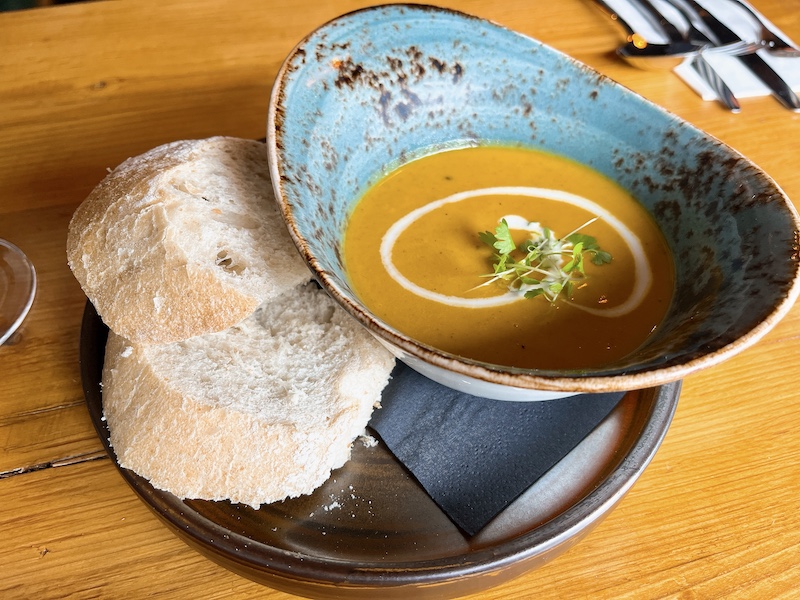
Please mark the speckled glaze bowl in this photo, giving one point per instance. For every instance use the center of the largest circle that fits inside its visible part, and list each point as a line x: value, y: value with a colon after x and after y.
x: 377, y: 87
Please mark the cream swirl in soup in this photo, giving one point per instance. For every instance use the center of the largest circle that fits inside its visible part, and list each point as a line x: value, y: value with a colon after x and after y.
x: 642, y: 274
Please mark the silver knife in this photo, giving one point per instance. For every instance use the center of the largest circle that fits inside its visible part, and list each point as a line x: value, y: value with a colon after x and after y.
x: 759, y: 67
x: 697, y: 61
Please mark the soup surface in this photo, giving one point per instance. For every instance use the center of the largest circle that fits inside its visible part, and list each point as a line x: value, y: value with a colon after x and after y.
x: 414, y: 257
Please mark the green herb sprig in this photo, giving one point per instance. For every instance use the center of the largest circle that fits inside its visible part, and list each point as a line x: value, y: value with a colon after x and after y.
x: 542, y: 266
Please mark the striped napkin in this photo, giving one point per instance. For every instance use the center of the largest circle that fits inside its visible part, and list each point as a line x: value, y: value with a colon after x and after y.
x: 740, y: 80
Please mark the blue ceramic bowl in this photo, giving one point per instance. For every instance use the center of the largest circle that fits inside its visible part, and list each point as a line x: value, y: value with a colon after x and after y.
x: 377, y: 87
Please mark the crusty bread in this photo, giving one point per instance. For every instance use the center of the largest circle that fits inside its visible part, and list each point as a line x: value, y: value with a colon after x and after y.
x: 183, y: 240
x: 257, y: 413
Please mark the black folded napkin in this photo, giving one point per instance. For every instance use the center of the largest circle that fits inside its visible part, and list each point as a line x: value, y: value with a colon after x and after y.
x: 475, y: 456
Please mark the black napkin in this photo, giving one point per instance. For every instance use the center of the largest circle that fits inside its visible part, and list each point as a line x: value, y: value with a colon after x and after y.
x: 475, y: 456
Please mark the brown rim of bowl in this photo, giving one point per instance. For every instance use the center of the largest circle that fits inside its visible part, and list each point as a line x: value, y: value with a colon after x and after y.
x: 579, y: 383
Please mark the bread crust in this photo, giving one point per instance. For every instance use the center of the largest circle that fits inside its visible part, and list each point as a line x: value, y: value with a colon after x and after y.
x: 255, y: 414
x: 151, y: 277
x: 224, y: 378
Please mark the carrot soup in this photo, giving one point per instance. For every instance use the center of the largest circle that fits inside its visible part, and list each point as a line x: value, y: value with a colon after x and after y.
x: 437, y: 249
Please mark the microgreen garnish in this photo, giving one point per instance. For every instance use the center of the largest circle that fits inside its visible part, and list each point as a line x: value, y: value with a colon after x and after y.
x: 542, y: 265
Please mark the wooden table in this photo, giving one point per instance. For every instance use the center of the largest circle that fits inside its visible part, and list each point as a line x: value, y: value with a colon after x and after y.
x: 83, y: 86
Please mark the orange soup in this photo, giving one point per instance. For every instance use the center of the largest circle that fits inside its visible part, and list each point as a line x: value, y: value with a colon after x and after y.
x: 414, y: 257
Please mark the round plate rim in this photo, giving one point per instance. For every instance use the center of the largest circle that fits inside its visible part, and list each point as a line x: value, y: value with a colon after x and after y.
x: 306, y: 568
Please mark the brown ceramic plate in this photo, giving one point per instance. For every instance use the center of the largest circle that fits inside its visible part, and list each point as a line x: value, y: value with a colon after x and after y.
x: 372, y: 531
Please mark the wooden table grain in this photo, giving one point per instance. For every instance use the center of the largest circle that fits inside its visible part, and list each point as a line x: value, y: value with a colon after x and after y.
x: 84, y: 86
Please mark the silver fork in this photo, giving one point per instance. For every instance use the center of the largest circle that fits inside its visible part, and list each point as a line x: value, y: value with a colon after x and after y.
x: 697, y: 61
x: 771, y: 39
x: 645, y: 54
x: 779, y: 88
x: 697, y: 32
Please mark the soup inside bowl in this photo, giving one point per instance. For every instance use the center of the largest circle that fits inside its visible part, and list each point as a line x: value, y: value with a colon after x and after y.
x: 537, y: 295
x: 389, y: 102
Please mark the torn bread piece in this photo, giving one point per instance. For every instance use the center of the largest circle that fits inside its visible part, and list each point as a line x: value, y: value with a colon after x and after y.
x: 260, y: 412
x: 183, y: 240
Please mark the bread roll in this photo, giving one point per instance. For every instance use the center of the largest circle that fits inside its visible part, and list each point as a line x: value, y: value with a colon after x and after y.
x: 257, y: 413
x: 183, y: 240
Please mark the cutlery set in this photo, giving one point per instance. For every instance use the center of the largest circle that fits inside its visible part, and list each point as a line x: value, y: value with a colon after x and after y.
x: 669, y: 33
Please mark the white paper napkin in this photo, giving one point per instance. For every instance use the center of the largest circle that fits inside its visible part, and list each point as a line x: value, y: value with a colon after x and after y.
x: 739, y: 79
